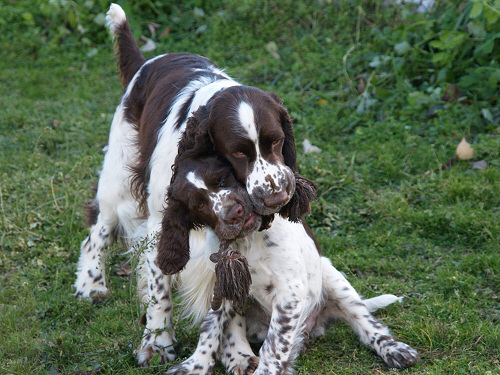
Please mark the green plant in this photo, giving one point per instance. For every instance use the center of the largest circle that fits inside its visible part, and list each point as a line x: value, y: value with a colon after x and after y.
x: 450, y: 54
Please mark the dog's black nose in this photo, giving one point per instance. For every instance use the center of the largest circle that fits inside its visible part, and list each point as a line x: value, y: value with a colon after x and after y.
x: 236, y: 214
x: 276, y: 199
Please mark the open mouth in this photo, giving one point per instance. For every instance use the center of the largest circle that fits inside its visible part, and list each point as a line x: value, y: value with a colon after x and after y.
x: 250, y: 221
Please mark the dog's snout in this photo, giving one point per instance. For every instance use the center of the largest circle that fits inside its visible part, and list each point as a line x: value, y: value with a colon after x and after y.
x: 276, y: 199
x: 236, y: 214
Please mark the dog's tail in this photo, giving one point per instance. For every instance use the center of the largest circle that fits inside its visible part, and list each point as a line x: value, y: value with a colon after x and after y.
x: 130, y: 58
x: 379, y: 302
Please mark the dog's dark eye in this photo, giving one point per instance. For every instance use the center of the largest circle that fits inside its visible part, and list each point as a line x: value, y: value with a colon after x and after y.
x: 201, y: 206
x: 276, y: 142
x: 222, y: 182
x: 239, y: 154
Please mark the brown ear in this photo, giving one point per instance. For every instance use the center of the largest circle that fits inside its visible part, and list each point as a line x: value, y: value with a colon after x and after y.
x: 195, y: 140
x: 300, y: 204
x: 305, y: 190
x: 173, y: 244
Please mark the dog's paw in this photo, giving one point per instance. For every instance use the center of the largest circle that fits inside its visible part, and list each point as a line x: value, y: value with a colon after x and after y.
x: 245, y: 366
x: 192, y: 367
x: 153, y: 344
x: 399, y: 355
x: 92, y: 292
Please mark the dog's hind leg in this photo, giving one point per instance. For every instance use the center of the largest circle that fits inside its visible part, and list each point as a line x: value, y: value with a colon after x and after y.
x: 91, y: 282
x: 114, y: 211
x: 159, y: 336
x: 344, y: 303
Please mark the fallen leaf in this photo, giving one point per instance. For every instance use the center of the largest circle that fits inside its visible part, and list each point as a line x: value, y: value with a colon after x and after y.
x: 402, y: 48
x: 488, y: 115
x: 361, y: 85
x: 152, y: 29
x: 149, y: 44
x: 359, y: 273
x: 481, y: 164
x: 464, y: 150
x: 452, y: 93
x: 309, y: 148
x: 272, y: 48
x: 100, y: 19
x: 123, y: 269
x: 201, y: 29
x: 450, y: 163
x: 165, y: 32
x: 89, y: 372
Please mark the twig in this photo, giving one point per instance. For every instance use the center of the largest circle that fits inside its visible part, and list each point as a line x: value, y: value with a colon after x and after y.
x: 1, y: 200
x: 344, y: 63
x: 329, y: 189
x: 491, y: 8
x: 53, y: 194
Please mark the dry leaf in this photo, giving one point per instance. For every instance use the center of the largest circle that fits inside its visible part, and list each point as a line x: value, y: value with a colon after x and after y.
x: 152, y: 29
x: 165, y: 32
x: 148, y: 46
x: 309, y: 148
x: 450, y: 163
x: 272, y: 48
x: 481, y: 164
x: 464, y: 150
x: 123, y: 269
x: 361, y: 83
x: 452, y: 93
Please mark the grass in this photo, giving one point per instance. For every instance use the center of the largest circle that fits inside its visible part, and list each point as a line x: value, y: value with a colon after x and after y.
x: 384, y: 222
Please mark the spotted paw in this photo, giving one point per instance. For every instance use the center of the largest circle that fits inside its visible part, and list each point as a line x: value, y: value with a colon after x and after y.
x: 246, y: 366
x: 92, y: 292
x: 191, y: 367
x: 399, y: 355
x: 153, y: 344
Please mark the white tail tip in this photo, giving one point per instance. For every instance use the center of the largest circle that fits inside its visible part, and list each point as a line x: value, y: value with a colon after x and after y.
x: 115, y: 17
x: 379, y: 302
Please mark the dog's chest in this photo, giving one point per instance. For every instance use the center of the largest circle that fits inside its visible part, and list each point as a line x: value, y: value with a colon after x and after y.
x: 284, y: 263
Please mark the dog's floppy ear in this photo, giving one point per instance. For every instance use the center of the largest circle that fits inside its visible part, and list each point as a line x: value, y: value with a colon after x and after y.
x: 195, y: 140
x: 173, y: 244
x: 300, y: 204
x: 305, y: 190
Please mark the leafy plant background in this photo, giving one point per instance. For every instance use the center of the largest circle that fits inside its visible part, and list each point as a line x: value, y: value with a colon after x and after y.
x: 386, y: 92
x: 420, y: 53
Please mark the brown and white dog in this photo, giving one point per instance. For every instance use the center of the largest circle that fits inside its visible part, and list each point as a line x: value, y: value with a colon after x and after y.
x: 226, y: 125
x: 294, y: 290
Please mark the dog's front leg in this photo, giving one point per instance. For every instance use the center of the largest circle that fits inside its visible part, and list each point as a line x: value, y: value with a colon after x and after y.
x: 285, y: 337
x: 158, y: 335
x: 203, y: 359
x: 235, y: 351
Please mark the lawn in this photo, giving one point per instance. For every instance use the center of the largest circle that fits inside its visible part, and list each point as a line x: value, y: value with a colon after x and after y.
x: 388, y: 215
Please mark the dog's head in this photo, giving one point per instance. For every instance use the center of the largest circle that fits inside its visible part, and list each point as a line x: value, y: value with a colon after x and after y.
x: 253, y: 131
x: 203, y: 192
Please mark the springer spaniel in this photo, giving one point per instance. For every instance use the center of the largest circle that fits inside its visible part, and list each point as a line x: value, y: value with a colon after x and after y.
x: 294, y: 289
x: 244, y: 125
x: 250, y: 130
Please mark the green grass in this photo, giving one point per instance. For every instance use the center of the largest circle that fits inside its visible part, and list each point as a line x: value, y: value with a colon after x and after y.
x: 384, y: 222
